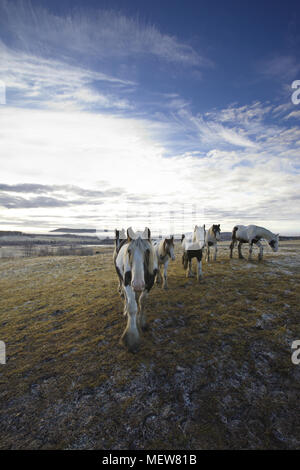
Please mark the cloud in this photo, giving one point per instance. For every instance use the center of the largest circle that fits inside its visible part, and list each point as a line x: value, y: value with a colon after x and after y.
x: 283, y: 68
x: 99, y: 33
x: 11, y: 202
x: 43, y: 188
x: 61, y: 196
x: 48, y: 83
x: 293, y: 114
x: 211, y: 130
x: 82, y: 61
x: 238, y: 164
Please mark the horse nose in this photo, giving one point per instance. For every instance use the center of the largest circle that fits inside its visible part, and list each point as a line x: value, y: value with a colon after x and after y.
x: 138, y: 285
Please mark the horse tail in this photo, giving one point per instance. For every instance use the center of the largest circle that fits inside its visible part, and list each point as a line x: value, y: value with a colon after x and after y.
x: 117, y: 239
x: 233, y: 237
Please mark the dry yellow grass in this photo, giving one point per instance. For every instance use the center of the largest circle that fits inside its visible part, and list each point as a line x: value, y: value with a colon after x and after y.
x: 214, y: 369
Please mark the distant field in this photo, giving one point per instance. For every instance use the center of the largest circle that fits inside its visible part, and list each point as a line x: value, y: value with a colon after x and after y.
x: 214, y: 369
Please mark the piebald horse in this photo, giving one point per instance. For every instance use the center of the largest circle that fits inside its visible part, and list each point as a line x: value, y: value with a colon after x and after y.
x: 213, y: 235
x: 252, y: 234
x: 136, y: 266
x: 192, y: 248
x: 164, y: 250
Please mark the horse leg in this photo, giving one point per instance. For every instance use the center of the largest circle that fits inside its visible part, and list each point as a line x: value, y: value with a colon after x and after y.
x: 231, y: 248
x: 207, y: 253
x: 125, y: 311
x: 216, y: 251
x: 130, y: 337
x: 240, y: 250
x: 120, y: 289
x: 189, y: 272
x: 250, y: 251
x: 165, y: 283
x: 141, y: 315
x: 261, y: 251
x: 199, y: 270
x: 158, y: 275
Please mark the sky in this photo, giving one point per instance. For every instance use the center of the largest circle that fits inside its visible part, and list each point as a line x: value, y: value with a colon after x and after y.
x: 164, y: 114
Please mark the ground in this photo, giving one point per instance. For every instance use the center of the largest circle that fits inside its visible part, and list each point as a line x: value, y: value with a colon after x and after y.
x: 214, y: 369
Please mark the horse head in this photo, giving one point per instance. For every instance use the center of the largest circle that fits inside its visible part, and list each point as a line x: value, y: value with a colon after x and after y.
x: 274, y: 242
x: 140, y: 257
x: 169, y: 247
x: 217, y: 232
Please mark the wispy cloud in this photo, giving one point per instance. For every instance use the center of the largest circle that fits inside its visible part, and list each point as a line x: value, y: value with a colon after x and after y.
x: 36, y: 81
x: 283, y: 67
x: 98, y: 33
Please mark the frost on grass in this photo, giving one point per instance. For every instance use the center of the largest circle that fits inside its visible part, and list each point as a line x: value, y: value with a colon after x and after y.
x: 214, y: 369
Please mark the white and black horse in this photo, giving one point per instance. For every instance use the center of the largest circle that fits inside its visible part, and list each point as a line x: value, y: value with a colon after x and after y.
x: 252, y: 234
x: 136, y: 266
x: 193, y: 245
x: 164, y: 250
x: 213, y: 235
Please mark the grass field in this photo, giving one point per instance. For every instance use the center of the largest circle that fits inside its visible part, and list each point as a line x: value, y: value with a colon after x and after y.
x: 214, y: 369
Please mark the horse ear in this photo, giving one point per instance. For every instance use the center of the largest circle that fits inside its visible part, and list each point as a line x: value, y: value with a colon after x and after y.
x: 182, y: 237
x: 130, y: 234
x: 172, y: 237
x: 219, y: 225
x: 146, y: 234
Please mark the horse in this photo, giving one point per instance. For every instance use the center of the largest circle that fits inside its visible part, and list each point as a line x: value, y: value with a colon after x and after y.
x: 252, y: 234
x: 164, y: 250
x: 213, y: 235
x: 192, y: 248
x: 136, y: 266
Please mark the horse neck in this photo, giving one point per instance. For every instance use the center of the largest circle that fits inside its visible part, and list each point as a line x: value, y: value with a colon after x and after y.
x: 211, y: 233
x: 196, y: 237
x: 267, y: 234
x: 161, y: 250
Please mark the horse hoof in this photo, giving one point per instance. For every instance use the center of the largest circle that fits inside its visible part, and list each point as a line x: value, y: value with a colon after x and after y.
x: 132, y: 345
